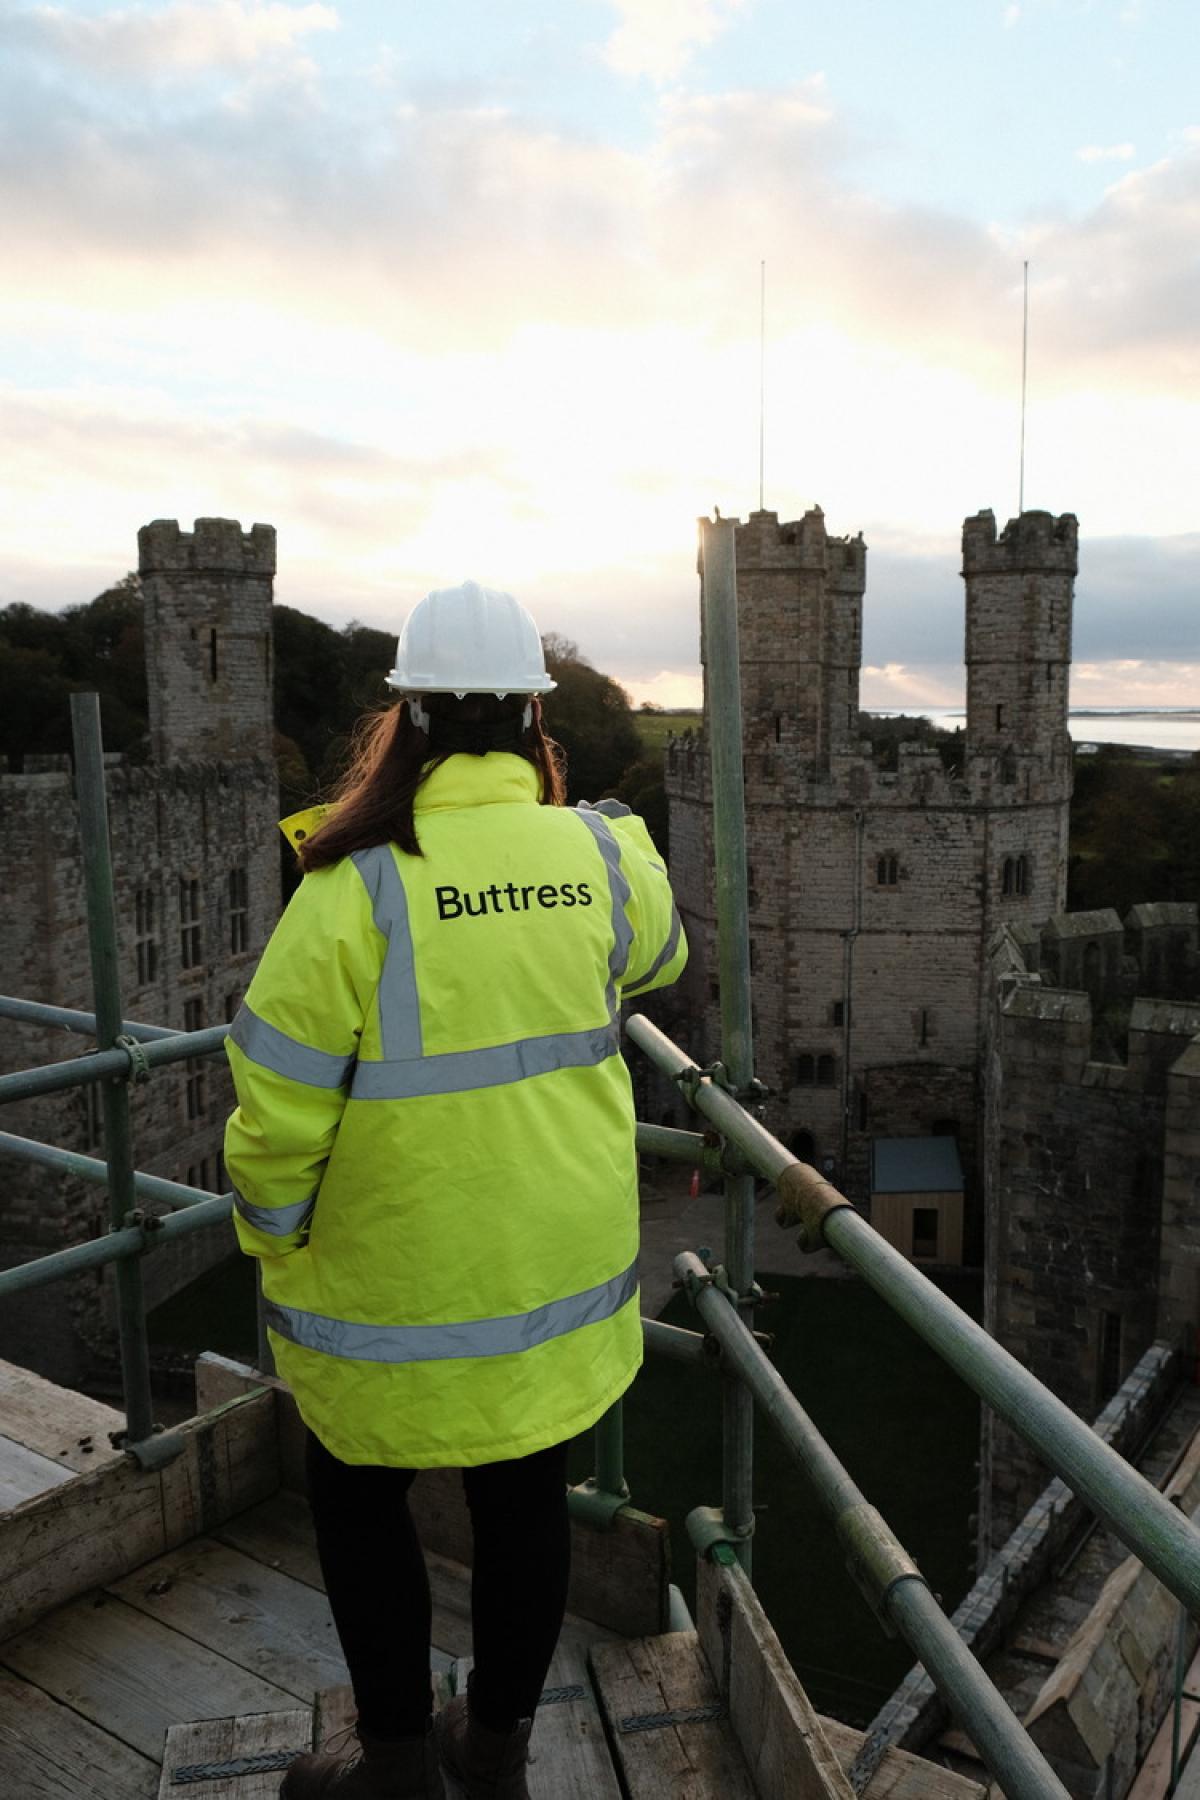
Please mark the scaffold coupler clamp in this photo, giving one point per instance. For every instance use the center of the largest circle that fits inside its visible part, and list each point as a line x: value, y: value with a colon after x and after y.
x: 753, y: 1096
x: 690, y: 1078
x: 139, y: 1068
x: 875, y: 1559
x: 709, y: 1532
x: 599, y: 1506
x: 807, y: 1199
x: 138, y: 1219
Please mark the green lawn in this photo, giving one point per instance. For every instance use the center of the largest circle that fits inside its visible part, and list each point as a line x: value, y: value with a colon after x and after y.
x: 906, y: 1429
x: 654, y: 728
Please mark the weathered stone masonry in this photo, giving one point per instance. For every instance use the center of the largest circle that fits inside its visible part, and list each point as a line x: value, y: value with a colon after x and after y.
x: 197, y: 873
x: 873, y: 892
x: 1092, y: 1103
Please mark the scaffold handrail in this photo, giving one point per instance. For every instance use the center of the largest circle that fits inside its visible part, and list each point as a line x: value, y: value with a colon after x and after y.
x: 1166, y: 1541
x: 890, y: 1580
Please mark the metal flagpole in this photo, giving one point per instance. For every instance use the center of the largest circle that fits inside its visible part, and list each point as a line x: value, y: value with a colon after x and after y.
x: 1024, y: 368
x: 762, y: 374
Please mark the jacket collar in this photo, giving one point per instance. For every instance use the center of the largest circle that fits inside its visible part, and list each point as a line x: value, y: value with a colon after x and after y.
x: 497, y: 779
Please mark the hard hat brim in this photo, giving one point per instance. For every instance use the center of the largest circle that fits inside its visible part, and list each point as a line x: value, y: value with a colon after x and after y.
x: 407, y: 684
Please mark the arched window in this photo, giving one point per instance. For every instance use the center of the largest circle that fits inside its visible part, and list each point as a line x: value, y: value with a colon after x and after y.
x: 1007, y: 876
x: 1021, y: 875
x: 887, y: 870
x: 801, y: 1144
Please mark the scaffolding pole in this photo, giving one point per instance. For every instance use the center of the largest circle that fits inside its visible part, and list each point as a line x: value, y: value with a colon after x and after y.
x: 114, y: 1092
x: 722, y: 663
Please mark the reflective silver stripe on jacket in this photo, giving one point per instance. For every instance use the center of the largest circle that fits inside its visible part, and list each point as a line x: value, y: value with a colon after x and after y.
x: 279, y: 1221
x: 618, y: 890
x: 661, y: 960
x: 436, y: 1343
x: 459, y: 1071
x: 399, y: 1004
x: 275, y: 1050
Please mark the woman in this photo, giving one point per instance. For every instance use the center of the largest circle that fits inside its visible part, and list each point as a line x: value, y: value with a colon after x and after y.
x: 433, y: 1158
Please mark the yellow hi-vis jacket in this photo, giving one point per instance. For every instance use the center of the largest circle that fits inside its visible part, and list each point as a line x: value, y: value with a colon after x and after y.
x: 433, y: 1149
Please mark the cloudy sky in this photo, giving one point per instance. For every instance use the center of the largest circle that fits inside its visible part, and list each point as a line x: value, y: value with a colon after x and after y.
x: 454, y: 287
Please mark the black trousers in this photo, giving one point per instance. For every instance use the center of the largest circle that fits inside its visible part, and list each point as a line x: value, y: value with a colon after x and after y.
x: 378, y: 1588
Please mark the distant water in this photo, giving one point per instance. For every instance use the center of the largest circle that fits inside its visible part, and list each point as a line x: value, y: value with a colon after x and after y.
x: 1174, y: 728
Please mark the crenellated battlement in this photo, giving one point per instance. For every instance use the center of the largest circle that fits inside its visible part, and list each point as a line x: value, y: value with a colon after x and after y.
x: 215, y: 546
x: 764, y: 543
x: 207, y: 597
x: 1034, y: 543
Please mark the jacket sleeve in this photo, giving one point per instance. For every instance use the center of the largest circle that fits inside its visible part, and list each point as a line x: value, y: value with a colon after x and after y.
x: 292, y: 1050
x: 659, y: 948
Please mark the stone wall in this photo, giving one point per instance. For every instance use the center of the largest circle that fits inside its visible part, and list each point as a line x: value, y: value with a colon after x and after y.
x: 1078, y: 1243
x: 196, y: 872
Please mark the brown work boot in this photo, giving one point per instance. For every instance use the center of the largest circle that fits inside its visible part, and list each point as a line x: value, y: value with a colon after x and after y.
x: 376, y: 1769
x: 480, y: 1764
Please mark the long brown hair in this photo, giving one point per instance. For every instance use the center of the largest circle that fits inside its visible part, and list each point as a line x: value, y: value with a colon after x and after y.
x: 391, y: 757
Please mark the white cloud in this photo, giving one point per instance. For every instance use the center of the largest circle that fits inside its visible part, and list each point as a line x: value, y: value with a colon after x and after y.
x: 273, y: 312
x: 1091, y: 153
x: 182, y: 37
x: 657, y: 38
x: 670, y: 689
x: 1011, y: 16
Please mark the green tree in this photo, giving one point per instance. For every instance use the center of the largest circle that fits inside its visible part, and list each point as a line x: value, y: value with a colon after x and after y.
x: 1118, y: 854
x: 590, y: 716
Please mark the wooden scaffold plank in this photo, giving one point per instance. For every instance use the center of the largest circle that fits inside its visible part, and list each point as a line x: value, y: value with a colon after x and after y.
x: 220, y: 1745
x: 132, y: 1676
x: 98, y: 1526
x: 773, y: 1719
x: 69, y: 1428
x: 47, y: 1752
x: 667, y: 1722
x: 568, y: 1756
x: 255, y: 1616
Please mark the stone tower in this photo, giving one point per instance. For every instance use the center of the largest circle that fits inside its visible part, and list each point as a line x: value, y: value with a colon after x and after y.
x: 1019, y: 588
x: 874, y: 889
x: 196, y: 868
x: 207, y: 600
x: 800, y: 617
x: 1019, y: 600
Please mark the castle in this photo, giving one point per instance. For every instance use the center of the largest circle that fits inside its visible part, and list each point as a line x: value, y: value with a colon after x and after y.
x: 918, y: 988
x: 872, y: 891
x: 196, y: 865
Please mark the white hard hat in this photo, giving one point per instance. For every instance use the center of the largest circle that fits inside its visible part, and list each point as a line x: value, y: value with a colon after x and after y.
x: 470, y: 640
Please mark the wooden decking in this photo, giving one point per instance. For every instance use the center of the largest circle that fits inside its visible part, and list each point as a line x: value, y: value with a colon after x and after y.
x: 152, y: 1620
x: 234, y: 1623
x: 48, y: 1434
